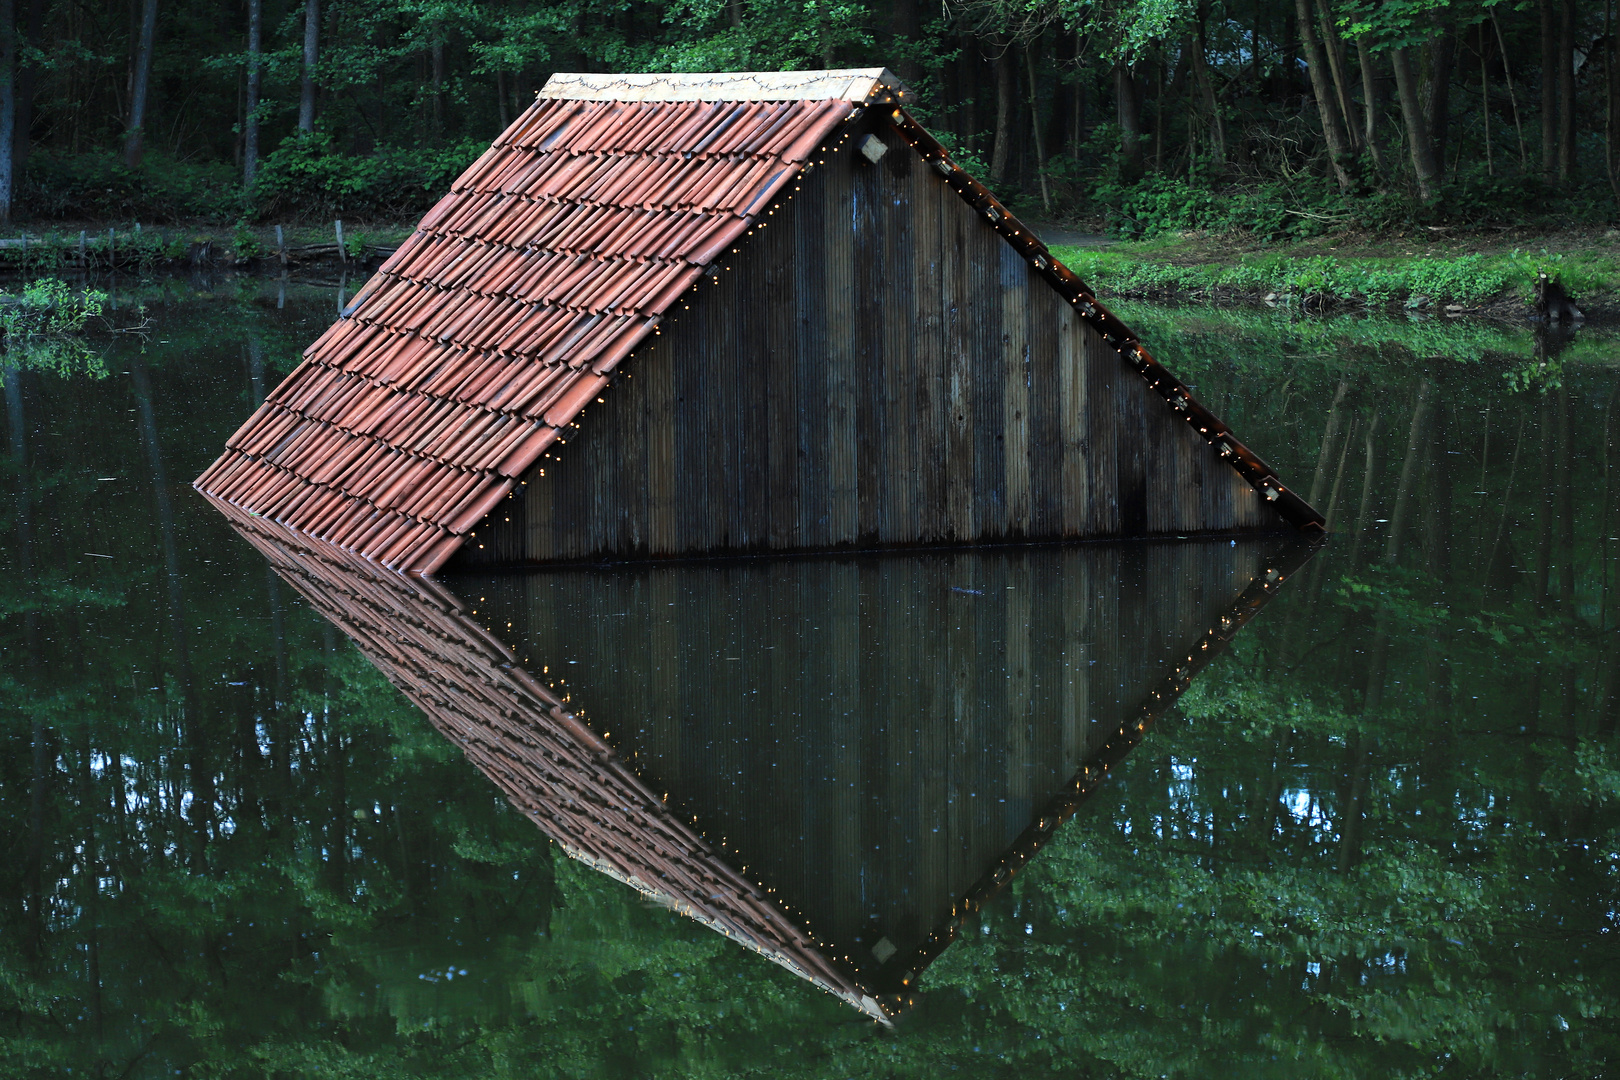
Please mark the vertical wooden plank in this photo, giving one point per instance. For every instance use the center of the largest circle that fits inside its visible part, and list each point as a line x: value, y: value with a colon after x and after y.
x: 748, y: 436
x: 1020, y: 718
x: 655, y: 374
x: 929, y: 403
x: 840, y: 376
x: 909, y: 184
x: 540, y: 524
x: 1017, y: 372
x: 782, y: 401
x: 715, y: 434
x: 818, y: 201
x: 1048, y: 323
x: 1103, y: 370
x: 1129, y: 448
x: 995, y: 268
x: 957, y: 286
x: 872, y: 286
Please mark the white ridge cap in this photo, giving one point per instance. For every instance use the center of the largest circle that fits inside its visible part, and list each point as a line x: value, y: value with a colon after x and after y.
x: 850, y: 84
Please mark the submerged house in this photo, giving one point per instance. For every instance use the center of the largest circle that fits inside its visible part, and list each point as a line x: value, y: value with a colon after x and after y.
x: 676, y: 315
x: 671, y: 315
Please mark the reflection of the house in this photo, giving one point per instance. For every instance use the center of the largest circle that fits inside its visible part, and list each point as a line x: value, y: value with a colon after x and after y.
x: 834, y: 762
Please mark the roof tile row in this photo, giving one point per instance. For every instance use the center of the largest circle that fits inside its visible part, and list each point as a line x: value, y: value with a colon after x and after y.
x: 457, y: 365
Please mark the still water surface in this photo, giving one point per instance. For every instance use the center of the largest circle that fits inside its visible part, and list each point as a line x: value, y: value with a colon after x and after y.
x: 1379, y: 834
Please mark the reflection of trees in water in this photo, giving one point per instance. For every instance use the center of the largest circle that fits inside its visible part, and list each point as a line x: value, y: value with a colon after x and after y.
x: 1367, y: 855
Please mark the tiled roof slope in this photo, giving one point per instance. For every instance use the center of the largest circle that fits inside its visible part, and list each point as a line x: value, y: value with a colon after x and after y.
x: 482, y: 337
x: 550, y: 766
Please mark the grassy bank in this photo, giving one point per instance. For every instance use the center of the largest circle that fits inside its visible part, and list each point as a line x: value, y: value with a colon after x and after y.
x: 130, y: 247
x: 1392, y: 272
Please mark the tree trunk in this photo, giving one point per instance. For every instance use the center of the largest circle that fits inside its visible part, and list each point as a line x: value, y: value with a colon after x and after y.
x: 312, y: 43
x: 1372, y: 103
x: 1417, y: 130
x: 250, y: 115
x: 1359, y: 760
x: 1488, y: 567
x: 1035, y: 125
x: 1326, y: 107
x: 1206, y: 84
x: 8, y: 107
x: 1549, y: 90
x: 1566, y: 503
x: 1611, y: 114
x: 140, y: 80
x: 967, y: 63
x: 1364, y: 509
x: 200, y: 775
x: 1006, y: 99
x: 1339, y: 68
x: 1078, y: 114
x: 11, y: 381
x: 1566, y: 94
x: 1130, y: 122
x: 23, y: 131
x: 1438, y: 111
x: 903, y: 32
x: 1409, y: 471
x: 1544, y: 502
x: 1513, y: 95
x: 1330, y: 439
x: 1485, y: 100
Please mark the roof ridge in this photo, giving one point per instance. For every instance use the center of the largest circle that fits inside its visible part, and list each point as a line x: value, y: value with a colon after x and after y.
x: 843, y: 84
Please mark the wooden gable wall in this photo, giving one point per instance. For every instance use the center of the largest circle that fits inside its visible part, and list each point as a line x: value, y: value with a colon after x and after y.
x: 875, y: 367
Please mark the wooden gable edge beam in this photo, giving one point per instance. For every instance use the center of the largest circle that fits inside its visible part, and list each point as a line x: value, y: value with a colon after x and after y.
x: 1294, y: 509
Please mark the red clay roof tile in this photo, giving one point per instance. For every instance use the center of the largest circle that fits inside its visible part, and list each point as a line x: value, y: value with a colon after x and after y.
x: 549, y: 261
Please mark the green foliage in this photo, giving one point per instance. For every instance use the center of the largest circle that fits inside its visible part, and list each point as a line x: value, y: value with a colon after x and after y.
x: 50, y: 306
x: 97, y: 186
x: 1466, y: 280
x: 308, y: 177
x: 42, y: 325
x: 246, y: 243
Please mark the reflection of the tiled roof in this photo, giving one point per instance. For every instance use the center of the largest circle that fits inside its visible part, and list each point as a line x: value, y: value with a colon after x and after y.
x: 844, y: 888
x: 548, y: 764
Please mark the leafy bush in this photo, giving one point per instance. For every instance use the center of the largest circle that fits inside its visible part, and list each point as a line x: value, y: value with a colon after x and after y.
x: 246, y: 243
x: 1464, y: 279
x: 307, y: 177
x: 40, y: 327
x: 49, y: 306
x: 1309, y: 206
x: 98, y: 186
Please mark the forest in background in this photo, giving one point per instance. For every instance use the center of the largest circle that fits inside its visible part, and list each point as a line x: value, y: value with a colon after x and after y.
x: 1276, y: 117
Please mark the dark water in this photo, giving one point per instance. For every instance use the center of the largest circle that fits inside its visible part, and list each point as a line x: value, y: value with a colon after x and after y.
x: 1379, y: 834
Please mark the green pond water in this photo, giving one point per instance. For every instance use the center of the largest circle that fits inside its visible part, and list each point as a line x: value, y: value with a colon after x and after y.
x: 1379, y: 835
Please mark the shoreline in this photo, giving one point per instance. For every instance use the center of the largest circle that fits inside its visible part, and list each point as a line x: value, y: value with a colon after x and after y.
x: 1484, y: 276
x: 1481, y: 276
